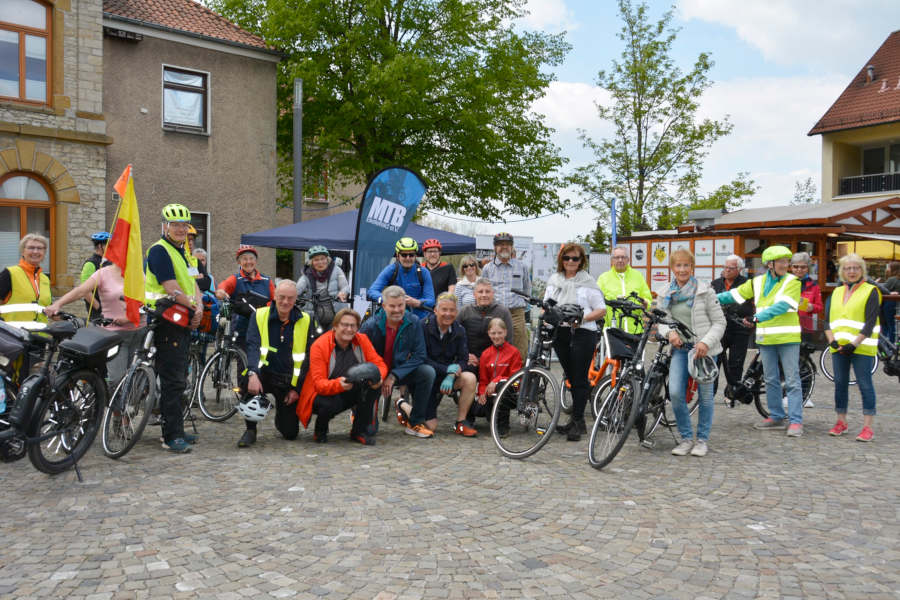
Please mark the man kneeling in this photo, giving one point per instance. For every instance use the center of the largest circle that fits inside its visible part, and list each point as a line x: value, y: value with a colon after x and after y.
x: 328, y: 391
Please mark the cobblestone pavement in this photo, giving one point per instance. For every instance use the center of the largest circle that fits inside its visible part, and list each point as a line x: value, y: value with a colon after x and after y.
x: 762, y: 516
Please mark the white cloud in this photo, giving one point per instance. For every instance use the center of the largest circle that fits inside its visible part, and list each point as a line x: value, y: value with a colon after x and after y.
x: 804, y: 32
x: 549, y: 15
x: 569, y: 106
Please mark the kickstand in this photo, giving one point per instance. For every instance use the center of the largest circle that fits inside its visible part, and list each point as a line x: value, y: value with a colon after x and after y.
x: 77, y: 472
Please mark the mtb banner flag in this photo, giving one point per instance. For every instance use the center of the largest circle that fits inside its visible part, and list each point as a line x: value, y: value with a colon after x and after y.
x: 124, y: 247
x: 387, y: 207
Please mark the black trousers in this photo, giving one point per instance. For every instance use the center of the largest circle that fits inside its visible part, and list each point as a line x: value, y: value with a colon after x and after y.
x: 172, y: 348
x: 286, y: 420
x: 734, y: 351
x: 575, y: 352
x: 360, y: 401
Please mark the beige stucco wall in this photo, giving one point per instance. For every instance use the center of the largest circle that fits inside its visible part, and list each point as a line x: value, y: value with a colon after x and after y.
x: 841, y: 155
x: 229, y: 173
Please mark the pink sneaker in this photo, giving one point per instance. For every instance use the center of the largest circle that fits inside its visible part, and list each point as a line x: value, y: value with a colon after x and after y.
x: 795, y: 430
x: 839, y: 428
x: 865, y: 435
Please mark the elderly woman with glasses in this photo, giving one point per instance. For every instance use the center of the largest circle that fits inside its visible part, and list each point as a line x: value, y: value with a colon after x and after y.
x: 469, y: 271
x: 852, y: 330
x: 26, y: 282
x: 810, y: 296
x: 572, y: 284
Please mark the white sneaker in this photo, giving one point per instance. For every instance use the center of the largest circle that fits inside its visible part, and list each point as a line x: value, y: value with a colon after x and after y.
x: 683, y: 448
x: 808, y: 404
x: 699, y: 449
x: 784, y: 404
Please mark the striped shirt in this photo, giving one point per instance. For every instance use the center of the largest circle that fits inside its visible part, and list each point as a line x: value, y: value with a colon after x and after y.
x: 506, y: 277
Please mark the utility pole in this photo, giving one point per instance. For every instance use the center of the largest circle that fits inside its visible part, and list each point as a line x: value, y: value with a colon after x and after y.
x: 298, y: 168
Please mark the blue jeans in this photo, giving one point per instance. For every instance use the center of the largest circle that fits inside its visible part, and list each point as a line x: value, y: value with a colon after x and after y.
x: 789, y: 357
x: 678, y: 379
x: 419, y: 381
x: 862, y: 366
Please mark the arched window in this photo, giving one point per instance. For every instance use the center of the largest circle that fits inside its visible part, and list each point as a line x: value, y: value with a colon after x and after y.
x: 24, y: 50
x: 26, y: 206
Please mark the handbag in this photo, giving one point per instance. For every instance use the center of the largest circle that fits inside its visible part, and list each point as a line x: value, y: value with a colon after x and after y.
x: 174, y: 313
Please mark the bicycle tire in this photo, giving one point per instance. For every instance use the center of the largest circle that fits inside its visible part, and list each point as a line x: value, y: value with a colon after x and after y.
x: 825, y: 365
x: 658, y: 398
x: 216, y: 396
x: 127, y: 426
x: 73, y: 410
x: 538, y: 421
x: 599, y: 394
x: 565, y: 397
x: 615, y: 420
x: 192, y: 378
x: 807, y: 385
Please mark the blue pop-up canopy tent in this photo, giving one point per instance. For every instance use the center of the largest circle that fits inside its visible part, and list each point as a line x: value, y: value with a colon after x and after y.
x: 336, y: 232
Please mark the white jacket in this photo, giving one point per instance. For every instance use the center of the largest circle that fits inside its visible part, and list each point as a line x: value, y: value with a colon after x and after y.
x: 708, y: 320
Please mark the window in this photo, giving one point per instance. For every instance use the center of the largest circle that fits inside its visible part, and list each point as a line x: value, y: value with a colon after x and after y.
x: 24, y: 45
x: 873, y: 161
x: 185, y: 100
x: 894, y: 158
x: 26, y: 206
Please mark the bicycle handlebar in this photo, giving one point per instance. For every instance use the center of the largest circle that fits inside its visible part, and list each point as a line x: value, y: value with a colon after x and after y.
x: 545, y: 304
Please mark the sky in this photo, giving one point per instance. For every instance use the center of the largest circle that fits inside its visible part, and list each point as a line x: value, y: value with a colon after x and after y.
x: 779, y: 65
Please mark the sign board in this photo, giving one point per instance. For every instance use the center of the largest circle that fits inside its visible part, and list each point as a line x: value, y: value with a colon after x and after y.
x: 639, y: 254
x: 704, y: 274
x: 544, y: 260
x: 724, y: 248
x: 659, y: 254
x: 658, y: 276
x: 703, y: 253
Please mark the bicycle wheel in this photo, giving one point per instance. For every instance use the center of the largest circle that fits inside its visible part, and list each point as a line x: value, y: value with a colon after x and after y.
x: 519, y: 434
x: 191, y: 379
x: 219, y: 393
x: 656, y: 401
x: 70, y: 417
x: 616, y: 417
x: 599, y: 394
x: 125, y: 418
x: 565, y: 397
x: 807, y: 384
x: 828, y: 372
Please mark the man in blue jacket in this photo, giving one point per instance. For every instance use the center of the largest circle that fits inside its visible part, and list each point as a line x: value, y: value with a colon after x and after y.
x: 409, y: 275
x: 398, y: 337
x: 448, y: 354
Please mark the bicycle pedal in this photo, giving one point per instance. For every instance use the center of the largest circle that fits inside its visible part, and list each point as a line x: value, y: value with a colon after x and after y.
x: 648, y: 444
x: 540, y: 430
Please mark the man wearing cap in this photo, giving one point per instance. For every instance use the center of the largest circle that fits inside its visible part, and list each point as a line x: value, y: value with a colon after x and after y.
x: 506, y: 274
x: 246, y: 287
x: 777, y: 296
x: 408, y: 274
x: 168, y: 277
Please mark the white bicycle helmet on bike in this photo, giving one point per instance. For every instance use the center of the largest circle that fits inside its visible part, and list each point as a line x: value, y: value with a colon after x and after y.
x: 256, y: 408
x: 703, y: 369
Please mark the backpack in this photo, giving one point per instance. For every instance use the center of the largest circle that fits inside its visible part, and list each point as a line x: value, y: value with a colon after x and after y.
x: 396, y: 274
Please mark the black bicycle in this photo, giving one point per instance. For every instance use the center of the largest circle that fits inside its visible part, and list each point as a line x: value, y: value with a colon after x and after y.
x: 218, y: 391
x: 322, y: 308
x: 54, y: 381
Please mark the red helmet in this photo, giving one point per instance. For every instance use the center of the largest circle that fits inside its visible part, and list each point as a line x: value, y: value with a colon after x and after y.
x: 431, y: 243
x: 245, y: 248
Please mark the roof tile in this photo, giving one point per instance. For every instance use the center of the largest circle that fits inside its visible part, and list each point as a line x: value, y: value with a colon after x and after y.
x: 183, y: 15
x: 863, y: 104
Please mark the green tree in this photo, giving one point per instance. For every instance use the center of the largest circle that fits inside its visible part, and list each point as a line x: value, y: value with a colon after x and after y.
x: 804, y: 192
x: 441, y: 86
x: 727, y: 197
x: 654, y: 158
x: 598, y: 239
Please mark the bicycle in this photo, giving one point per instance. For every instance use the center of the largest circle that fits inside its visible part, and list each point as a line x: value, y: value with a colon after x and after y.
x: 321, y: 308
x: 532, y: 393
x: 55, y: 411
x: 218, y: 391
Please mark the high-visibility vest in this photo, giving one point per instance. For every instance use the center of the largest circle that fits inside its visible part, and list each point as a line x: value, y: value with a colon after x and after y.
x: 847, y: 320
x: 614, y: 284
x: 784, y: 328
x: 153, y: 289
x: 298, y: 348
x: 23, y: 293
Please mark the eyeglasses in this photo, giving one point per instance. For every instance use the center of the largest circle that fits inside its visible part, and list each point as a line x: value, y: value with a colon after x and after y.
x: 852, y: 268
x: 620, y: 258
x: 35, y: 248
x: 727, y: 268
x: 352, y: 325
x: 407, y: 255
x: 571, y: 259
x: 799, y: 266
x: 467, y: 266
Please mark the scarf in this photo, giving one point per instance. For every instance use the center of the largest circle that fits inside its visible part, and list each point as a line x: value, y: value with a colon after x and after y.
x: 677, y: 294
x: 567, y: 289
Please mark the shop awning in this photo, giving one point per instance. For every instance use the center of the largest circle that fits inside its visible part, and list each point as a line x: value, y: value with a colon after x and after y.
x: 875, y: 236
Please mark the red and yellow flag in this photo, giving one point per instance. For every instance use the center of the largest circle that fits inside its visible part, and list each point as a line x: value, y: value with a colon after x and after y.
x: 124, y: 248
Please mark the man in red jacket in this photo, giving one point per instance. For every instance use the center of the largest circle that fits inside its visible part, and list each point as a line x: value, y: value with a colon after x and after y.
x: 327, y: 392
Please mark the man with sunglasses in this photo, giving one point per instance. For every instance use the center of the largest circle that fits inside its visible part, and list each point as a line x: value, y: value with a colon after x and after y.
x: 619, y: 282
x: 408, y: 274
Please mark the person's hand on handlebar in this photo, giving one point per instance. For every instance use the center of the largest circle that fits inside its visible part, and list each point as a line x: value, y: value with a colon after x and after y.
x: 221, y: 294
x: 675, y: 339
x: 342, y: 296
x: 52, y: 310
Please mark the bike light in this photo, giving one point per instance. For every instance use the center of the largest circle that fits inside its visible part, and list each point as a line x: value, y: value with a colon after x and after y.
x: 3, y: 361
x: 112, y: 352
x: 639, y: 367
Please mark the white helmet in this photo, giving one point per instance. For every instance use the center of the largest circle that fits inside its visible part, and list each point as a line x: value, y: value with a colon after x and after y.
x: 703, y: 369
x: 255, y: 409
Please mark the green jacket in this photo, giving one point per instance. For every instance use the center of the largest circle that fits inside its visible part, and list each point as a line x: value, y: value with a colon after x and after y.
x: 614, y: 285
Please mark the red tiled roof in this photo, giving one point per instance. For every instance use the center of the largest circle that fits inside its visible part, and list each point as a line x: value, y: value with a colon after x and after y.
x: 183, y: 15
x: 863, y: 104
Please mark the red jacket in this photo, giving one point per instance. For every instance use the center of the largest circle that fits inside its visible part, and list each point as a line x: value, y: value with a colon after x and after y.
x: 317, y: 382
x: 810, y: 291
x: 497, y: 363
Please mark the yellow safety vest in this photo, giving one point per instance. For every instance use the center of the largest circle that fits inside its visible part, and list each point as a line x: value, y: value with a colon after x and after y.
x: 153, y: 289
x: 298, y: 348
x: 23, y: 293
x: 613, y: 285
x: 847, y: 320
x: 784, y: 328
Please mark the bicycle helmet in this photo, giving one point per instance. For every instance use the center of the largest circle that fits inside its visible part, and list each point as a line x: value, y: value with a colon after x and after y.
x: 176, y: 213
x: 406, y: 244
x: 432, y: 243
x: 255, y: 409
x: 245, y: 248
x: 703, y: 369
x: 571, y: 314
x: 366, y: 372
x: 100, y: 236
x: 776, y: 252
x: 317, y: 250
x: 503, y: 237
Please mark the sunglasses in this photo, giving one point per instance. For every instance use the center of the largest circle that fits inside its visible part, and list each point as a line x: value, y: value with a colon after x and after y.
x: 467, y: 266
x: 571, y: 259
x: 407, y: 255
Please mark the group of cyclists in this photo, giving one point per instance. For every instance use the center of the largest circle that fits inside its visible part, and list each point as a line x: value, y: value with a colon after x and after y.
x: 432, y: 333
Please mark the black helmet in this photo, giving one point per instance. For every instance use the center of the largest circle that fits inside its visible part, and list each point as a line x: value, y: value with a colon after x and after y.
x: 570, y: 314
x: 503, y: 237
x: 366, y: 372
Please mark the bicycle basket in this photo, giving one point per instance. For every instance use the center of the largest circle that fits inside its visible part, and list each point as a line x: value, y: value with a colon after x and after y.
x: 12, y: 343
x: 620, y: 344
x: 90, y: 346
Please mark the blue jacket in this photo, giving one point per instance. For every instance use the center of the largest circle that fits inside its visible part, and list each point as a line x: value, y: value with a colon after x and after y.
x: 408, y: 279
x: 409, y: 345
x: 441, y: 353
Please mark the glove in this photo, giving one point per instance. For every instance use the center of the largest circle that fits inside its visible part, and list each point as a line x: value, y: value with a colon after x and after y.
x: 447, y: 384
x: 834, y: 345
x: 453, y: 368
x: 848, y: 349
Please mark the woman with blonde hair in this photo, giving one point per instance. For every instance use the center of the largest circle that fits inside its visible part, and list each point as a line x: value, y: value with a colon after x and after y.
x: 469, y: 272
